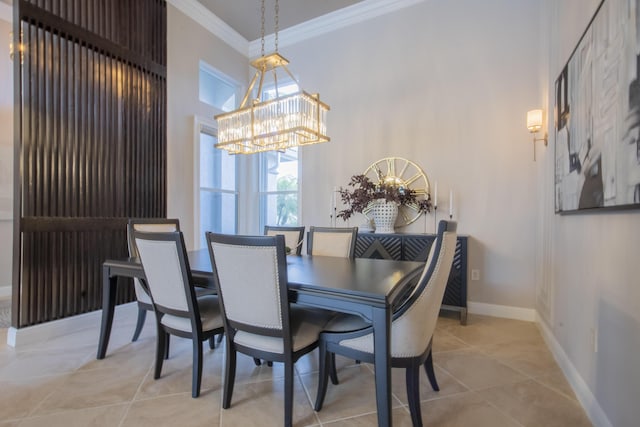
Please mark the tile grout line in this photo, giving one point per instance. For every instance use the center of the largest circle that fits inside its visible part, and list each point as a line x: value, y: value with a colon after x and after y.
x: 308, y: 393
x: 133, y: 399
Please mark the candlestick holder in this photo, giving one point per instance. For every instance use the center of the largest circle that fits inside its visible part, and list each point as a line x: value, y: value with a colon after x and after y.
x: 435, y: 219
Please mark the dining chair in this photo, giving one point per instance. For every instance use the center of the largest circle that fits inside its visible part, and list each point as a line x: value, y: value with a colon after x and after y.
x: 412, y: 327
x: 152, y: 225
x: 293, y: 236
x: 331, y: 241
x: 258, y: 319
x: 178, y: 310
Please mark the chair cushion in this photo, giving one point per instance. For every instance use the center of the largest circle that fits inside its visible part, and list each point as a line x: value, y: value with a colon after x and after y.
x: 204, y: 291
x: 346, y: 322
x: 144, y: 297
x: 306, y: 325
x: 209, y: 315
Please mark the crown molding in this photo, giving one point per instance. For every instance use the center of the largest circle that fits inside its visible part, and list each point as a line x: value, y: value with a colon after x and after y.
x: 212, y: 23
x: 341, y: 18
x: 6, y: 12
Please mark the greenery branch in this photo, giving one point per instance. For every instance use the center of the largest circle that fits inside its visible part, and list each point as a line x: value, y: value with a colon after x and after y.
x: 361, y: 191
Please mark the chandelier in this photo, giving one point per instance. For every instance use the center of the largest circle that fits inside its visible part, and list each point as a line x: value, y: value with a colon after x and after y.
x: 277, y: 124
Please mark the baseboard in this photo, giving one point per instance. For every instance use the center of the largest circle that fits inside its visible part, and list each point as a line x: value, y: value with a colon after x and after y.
x: 588, y: 401
x: 495, y: 310
x: 5, y: 291
x: 17, y: 337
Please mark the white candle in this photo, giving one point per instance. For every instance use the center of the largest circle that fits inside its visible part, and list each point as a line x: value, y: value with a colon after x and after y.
x: 435, y: 196
x: 332, y: 202
x: 450, y: 203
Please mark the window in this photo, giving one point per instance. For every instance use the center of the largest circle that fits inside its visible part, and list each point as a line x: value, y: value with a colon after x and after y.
x: 279, y: 176
x: 279, y: 188
x: 216, y: 90
x: 215, y: 171
x: 218, y: 195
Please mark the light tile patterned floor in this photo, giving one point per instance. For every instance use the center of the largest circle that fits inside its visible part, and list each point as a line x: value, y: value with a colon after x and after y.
x: 492, y: 372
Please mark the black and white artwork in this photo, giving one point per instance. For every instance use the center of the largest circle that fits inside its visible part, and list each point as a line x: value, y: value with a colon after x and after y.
x: 597, y: 114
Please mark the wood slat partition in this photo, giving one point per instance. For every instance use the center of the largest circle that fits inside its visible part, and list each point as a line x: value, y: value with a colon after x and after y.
x: 90, y: 142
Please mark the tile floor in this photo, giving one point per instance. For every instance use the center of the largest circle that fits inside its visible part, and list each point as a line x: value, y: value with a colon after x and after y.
x: 492, y: 372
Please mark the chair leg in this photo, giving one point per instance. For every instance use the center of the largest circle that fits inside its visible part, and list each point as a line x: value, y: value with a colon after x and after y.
x: 288, y: 394
x: 142, y: 316
x: 229, y: 376
x: 333, y: 371
x: 212, y: 342
x: 428, y: 368
x: 323, y: 377
x: 166, y: 346
x: 160, y: 350
x: 220, y: 337
x: 413, y: 394
x: 197, y: 367
x: 257, y: 361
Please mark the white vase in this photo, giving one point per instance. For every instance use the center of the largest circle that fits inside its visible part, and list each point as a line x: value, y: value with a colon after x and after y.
x: 384, y: 215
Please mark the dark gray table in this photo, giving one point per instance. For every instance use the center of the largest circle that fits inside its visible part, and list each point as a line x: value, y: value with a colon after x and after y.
x: 369, y: 287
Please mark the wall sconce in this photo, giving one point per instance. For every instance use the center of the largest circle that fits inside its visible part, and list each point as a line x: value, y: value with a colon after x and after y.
x: 534, y: 124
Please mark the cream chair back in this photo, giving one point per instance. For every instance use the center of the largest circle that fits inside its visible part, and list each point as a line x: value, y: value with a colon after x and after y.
x: 150, y: 225
x: 336, y: 242
x: 249, y: 278
x: 292, y: 236
x: 163, y: 270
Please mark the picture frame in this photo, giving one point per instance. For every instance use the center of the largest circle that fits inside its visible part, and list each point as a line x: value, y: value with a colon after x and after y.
x: 597, y: 115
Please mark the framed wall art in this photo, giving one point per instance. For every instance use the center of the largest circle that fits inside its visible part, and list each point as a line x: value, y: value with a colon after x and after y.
x: 597, y: 114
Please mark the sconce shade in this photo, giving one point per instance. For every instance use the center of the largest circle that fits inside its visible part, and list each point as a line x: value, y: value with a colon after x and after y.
x: 534, y: 120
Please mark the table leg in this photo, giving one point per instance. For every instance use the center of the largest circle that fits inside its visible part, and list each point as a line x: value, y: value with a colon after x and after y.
x: 109, y: 287
x: 381, y: 344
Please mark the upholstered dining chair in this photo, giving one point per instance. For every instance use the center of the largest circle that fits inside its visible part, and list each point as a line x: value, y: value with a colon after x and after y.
x: 258, y: 319
x: 293, y: 236
x: 152, y: 225
x: 178, y: 311
x: 330, y: 241
x: 412, y: 327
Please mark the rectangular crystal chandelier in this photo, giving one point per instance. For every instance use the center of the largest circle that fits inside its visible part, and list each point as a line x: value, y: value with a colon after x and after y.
x: 287, y: 121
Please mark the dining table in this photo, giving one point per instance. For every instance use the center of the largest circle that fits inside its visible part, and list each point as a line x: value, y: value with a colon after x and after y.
x: 367, y: 287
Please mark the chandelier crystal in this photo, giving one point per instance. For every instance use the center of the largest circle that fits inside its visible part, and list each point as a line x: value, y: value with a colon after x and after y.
x: 277, y: 124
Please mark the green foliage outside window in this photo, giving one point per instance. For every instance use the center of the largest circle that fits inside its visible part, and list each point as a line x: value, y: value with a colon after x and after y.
x: 287, y: 204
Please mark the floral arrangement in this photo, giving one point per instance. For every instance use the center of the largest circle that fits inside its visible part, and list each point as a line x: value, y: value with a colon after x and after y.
x: 363, y: 191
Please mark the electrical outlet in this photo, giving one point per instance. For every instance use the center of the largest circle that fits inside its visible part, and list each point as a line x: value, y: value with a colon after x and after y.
x: 475, y: 274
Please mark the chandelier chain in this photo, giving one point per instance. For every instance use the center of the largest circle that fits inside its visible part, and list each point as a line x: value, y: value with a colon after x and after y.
x: 277, y: 23
x: 262, y: 28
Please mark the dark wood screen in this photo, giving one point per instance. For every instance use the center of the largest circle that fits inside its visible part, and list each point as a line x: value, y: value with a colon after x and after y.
x: 90, y: 145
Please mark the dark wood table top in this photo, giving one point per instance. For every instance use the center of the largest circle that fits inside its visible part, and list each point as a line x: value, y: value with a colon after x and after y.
x: 362, y: 278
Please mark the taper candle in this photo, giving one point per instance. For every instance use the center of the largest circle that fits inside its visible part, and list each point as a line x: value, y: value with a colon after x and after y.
x: 450, y: 203
x: 435, y: 195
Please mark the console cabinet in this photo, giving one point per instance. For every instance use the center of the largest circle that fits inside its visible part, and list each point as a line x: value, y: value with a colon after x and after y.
x: 415, y: 247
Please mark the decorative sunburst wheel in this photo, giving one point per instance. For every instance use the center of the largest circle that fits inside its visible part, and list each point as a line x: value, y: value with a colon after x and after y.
x: 401, y: 173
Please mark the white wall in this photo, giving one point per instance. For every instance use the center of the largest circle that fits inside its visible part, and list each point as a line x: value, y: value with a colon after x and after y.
x: 447, y: 85
x: 187, y: 44
x: 6, y: 158
x: 591, y: 267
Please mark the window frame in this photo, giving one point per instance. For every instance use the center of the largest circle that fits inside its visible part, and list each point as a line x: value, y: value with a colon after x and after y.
x: 203, y: 66
x: 209, y: 127
x: 264, y: 194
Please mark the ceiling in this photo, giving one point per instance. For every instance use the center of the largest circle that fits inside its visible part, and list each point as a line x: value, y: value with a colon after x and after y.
x: 244, y: 16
